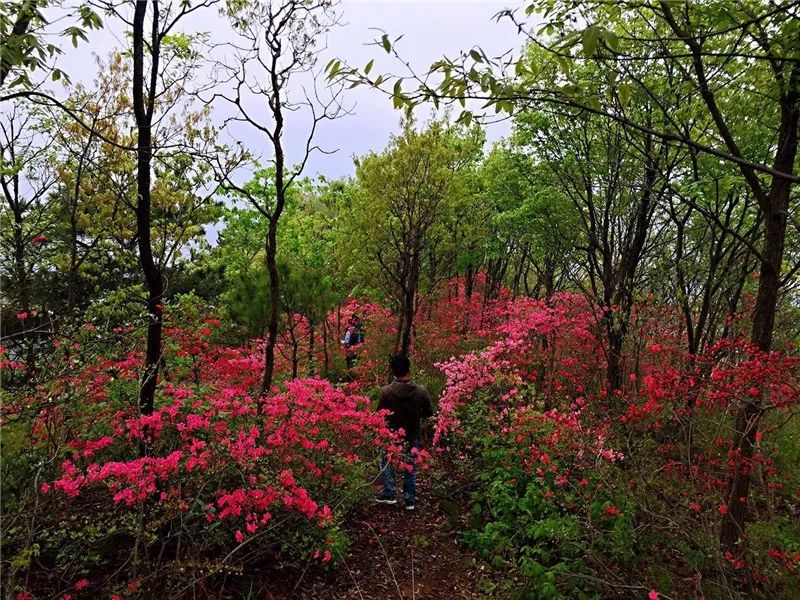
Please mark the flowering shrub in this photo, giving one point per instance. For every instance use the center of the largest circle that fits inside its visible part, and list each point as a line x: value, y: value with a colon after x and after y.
x: 512, y: 414
x: 216, y: 477
x: 312, y: 431
x: 581, y: 489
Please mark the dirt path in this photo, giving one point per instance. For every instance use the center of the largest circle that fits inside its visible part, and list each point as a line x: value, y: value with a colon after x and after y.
x: 402, y: 555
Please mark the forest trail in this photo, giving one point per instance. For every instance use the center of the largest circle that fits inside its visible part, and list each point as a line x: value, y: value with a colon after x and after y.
x: 401, y: 555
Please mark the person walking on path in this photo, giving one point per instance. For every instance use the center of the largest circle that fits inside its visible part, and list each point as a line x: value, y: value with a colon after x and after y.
x: 353, y: 338
x: 408, y: 404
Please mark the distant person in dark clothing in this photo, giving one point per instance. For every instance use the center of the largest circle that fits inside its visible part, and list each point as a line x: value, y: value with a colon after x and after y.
x: 353, y: 338
x: 409, y: 404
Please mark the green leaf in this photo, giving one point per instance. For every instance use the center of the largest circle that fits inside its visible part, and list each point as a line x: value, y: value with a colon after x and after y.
x: 565, y: 64
x: 612, y: 40
x: 387, y: 45
x: 476, y: 56
x: 589, y: 38
x: 368, y: 68
x: 75, y: 33
x: 624, y: 93
x: 21, y: 81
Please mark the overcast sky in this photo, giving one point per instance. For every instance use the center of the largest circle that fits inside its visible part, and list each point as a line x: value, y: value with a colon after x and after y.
x: 430, y: 29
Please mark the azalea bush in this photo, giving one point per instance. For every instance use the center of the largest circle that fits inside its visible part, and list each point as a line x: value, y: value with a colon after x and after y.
x: 547, y: 501
x: 590, y: 493
x: 216, y: 479
x: 543, y: 494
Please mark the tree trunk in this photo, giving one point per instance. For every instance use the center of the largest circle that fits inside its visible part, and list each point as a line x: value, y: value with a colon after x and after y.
x: 274, y: 305
x: 73, y: 257
x: 495, y: 273
x: 748, y: 415
x: 549, y: 277
x: 23, y: 287
x: 525, y: 279
x: 143, y: 110
x: 746, y: 427
x: 408, y: 306
x: 616, y: 338
x: 518, y: 272
x: 406, y: 323
x: 310, y: 360
x: 469, y: 282
x: 72, y: 279
x: 295, y: 348
x: 272, y: 234
x: 24, y: 295
x: 325, y: 359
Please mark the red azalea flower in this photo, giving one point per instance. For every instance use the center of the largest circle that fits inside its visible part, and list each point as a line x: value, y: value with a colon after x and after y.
x: 83, y: 583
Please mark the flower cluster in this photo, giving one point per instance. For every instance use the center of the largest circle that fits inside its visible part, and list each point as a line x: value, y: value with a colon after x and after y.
x: 280, y: 446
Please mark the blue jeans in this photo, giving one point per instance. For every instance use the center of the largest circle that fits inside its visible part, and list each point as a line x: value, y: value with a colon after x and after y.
x: 409, y: 477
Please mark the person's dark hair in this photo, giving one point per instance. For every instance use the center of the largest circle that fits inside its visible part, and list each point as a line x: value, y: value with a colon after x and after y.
x: 400, y: 365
